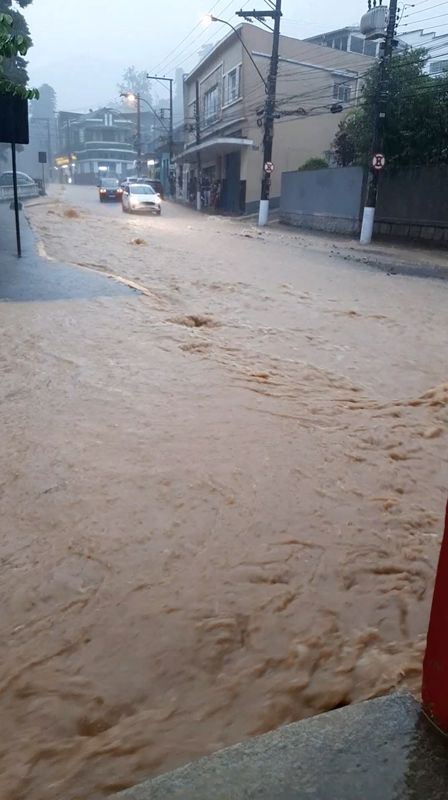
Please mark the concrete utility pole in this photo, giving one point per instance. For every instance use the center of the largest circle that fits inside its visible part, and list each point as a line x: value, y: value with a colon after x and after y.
x: 139, y: 135
x: 171, y: 131
x: 198, y: 155
x: 368, y: 218
x: 269, y: 108
x: 49, y: 147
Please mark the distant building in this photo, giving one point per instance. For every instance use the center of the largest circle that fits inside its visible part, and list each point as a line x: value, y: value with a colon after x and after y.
x: 101, y: 141
x: 351, y: 40
x: 311, y: 85
x: 435, y: 45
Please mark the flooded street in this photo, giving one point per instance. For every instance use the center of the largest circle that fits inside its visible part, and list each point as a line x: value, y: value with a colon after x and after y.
x: 221, y: 496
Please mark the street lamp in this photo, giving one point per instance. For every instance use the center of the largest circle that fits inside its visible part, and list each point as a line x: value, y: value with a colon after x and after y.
x: 135, y: 98
x: 209, y: 18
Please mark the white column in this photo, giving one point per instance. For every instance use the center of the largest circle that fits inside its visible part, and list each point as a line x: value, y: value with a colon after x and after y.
x: 368, y: 218
x: 263, y: 212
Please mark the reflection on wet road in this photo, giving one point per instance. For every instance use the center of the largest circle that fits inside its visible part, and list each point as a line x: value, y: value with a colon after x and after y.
x: 221, y: 499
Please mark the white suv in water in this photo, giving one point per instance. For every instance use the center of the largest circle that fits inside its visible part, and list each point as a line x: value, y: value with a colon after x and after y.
x: 139, y: 197
x: 26, y: 187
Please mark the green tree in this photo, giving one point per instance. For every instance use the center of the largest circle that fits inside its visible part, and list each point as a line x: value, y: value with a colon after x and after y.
x: 313, y: 163
x: 14, y: 44
x: 416, y: 116
x: 135, y: 81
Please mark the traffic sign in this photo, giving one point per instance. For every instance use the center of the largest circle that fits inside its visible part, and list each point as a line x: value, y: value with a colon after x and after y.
x: 378, y: 161
x: 269, y: 167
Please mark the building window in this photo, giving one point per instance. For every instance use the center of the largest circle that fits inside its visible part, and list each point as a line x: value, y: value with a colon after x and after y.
x: 211, y: 105
x: 356, y: 44
x: 341, y: 43
x: 370, y: 48
x: 342, y: 91
x: 232, y: 85
x: 437, y: 67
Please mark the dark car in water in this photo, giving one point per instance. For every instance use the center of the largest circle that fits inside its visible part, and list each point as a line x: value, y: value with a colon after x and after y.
x: 109, y: 189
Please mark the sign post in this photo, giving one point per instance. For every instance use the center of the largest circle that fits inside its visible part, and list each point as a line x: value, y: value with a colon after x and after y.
x: 378, y: 161
x: 14, y: 130
x: 43, y: 161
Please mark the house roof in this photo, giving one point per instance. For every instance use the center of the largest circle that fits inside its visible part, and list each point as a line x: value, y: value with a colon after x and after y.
x: 304, y: 49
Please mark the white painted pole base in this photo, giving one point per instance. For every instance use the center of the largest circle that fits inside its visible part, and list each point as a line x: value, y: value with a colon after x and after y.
x: 198, y: 201
x: 368, y: 218
x: 263, y: 213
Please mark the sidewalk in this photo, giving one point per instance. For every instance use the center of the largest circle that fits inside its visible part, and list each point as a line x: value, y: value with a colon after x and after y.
x: 383, y: 749
x: 31, y: 278
x: 391, y: 257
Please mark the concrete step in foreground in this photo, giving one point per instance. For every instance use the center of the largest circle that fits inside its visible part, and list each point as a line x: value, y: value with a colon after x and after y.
x: 383, y: 749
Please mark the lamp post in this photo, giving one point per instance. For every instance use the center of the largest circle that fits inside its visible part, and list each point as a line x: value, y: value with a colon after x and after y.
x: 136, y: 98
x: 270, y: 87
x: 209, y: 18
x: 47, y: 121
x: 170, y: 81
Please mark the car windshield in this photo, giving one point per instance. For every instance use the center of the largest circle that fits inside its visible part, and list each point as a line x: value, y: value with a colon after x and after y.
x: 109, y: 183
x: 141, y: 188
x: 22, y: 178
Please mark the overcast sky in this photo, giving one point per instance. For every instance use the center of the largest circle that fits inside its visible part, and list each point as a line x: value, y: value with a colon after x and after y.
x: 81, y: 47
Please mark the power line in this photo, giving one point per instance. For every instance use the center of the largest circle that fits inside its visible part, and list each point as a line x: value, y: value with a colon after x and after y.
x: 429, y: 8
x: 426, y: 19
x: 175, y: 49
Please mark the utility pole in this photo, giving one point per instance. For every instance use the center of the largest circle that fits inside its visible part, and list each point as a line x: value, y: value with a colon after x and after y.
x: 198, y: 154
x: 49, y: 147
x: 139, y: 135
x: 269, y: 107
x: 171, y: 130
x: 368, y: 218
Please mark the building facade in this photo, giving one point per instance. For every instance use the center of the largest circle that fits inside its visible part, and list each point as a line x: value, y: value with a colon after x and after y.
x: 101, y: 142
x: 224, y: 98
x: 349, y: 40
x: 352, y: 40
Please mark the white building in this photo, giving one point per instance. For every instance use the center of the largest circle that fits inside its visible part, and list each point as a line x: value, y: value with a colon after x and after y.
x: 351, y: 40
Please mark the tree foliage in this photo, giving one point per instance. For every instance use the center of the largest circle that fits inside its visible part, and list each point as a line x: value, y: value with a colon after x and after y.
x: 14, y: 44
x: 313, y: 163
x: 135, y: 81
x: 416, y: 116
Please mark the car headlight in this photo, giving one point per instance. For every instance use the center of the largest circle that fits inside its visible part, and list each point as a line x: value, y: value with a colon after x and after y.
x: 158, y: 200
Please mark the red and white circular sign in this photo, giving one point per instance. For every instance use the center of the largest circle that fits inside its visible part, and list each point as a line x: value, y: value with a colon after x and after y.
x: 269, y: 167
x: 378, y: 161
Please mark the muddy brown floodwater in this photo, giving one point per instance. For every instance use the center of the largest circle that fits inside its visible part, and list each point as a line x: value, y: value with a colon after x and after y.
x: 220, y: 499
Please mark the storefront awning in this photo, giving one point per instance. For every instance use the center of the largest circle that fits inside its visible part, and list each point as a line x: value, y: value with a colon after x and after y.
x: 215, y: 147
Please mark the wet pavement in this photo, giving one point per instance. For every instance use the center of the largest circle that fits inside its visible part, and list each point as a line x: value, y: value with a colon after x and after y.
x: 32, y: 279
x: 384, y: 749
x: 221, y: 497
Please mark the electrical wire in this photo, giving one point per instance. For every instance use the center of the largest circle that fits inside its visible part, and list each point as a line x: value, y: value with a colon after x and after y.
x: 426, y: 19
x: 429, y: 8
x: 176, y: 48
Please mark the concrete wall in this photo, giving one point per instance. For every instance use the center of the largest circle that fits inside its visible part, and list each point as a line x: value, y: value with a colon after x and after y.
x: 324, y: 199
x: 413, y: 204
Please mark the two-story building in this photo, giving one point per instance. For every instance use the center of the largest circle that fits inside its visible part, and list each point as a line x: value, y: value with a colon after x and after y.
x: 101, y: 141
x: 224, y: 133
